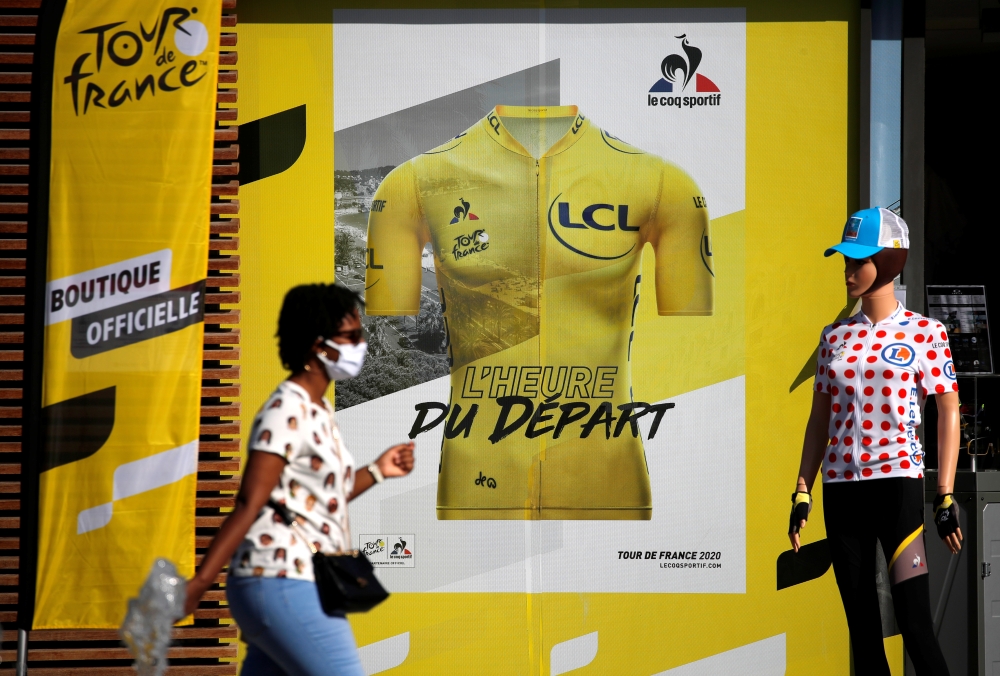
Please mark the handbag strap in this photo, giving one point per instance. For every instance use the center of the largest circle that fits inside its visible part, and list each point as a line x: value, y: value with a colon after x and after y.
x: 287, y: 516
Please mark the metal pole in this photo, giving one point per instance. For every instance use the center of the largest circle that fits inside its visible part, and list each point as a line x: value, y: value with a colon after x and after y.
x: 22, y: 653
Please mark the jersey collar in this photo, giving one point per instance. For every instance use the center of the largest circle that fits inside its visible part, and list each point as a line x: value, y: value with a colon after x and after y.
x: 861, y: 317
x: 495, y: 129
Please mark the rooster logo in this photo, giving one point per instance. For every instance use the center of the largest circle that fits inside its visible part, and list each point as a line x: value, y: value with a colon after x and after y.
x: 462, y: 212
x: 679, y: 70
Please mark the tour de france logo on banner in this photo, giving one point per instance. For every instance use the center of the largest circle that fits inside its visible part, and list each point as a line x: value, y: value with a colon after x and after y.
x: 133, y: 108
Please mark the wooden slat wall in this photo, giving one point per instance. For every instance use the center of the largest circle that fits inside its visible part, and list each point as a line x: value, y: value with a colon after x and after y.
x: 207, y: 648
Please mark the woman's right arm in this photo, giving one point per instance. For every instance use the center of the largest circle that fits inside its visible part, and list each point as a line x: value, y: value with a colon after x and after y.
x: 813, y: 447
x: 259, y: 479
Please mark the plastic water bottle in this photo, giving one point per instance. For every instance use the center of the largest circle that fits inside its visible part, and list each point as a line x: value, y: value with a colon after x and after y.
x: 149, y: 621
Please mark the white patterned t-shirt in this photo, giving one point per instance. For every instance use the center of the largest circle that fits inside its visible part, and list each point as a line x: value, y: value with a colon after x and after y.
x: 314, y: 485
x: 878, y: 377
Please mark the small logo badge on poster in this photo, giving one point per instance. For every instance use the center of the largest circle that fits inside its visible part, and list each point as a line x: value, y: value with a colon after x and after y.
x: 389, y: 550
x: 852, y: 228
x: 679, y: 71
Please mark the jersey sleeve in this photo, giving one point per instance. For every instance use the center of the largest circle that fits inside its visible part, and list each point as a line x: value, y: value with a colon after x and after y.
x: 277, y: 428
x: 824, y: 354
x: 679, y: 234
x: 936, y: 366
x: 396, y: 238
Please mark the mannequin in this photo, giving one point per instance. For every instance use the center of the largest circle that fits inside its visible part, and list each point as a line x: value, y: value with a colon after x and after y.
x: 874, y: 373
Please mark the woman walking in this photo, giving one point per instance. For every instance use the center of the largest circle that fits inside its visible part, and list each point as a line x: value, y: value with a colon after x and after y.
x: 875, y: 372
x: 297, y: 459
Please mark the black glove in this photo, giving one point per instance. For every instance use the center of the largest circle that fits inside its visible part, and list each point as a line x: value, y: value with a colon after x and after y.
x: 945, y: 515
x: 802, y: 504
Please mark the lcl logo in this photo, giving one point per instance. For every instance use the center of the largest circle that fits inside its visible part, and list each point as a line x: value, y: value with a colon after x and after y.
x: 601, y: 216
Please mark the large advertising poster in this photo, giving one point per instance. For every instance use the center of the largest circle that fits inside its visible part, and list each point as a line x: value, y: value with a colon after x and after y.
x: 590, y: 245
x: 132, y: 135
x: 551, y: 259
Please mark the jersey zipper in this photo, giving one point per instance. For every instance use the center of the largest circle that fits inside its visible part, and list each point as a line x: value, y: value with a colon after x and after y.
x: 858, y: 407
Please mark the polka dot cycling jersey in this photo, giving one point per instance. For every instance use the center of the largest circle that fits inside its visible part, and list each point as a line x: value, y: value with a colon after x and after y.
x: 878, y: 377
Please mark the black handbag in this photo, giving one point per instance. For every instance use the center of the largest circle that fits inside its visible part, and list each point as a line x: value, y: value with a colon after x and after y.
x: 346, y: 582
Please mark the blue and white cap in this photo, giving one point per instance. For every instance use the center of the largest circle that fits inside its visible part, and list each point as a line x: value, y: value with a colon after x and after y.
x: 869, y: 231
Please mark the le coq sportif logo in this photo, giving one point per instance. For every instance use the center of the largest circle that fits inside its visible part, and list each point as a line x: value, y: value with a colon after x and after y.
x: 679, y: 71
x: 127, y: 60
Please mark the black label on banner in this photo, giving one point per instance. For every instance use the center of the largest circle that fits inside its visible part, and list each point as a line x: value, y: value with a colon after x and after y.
x: 138, y: 320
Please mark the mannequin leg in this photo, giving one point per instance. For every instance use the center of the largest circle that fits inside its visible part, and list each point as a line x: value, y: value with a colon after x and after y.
x: 852, y: 550
x: 913, y: 614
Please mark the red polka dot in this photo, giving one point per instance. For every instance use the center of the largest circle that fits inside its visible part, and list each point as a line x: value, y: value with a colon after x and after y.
x: 865, y: 457
x: 918, y: 338
x: 832, y: 474
x: 886, y: 425
x: 862, y: 334
x: 866, y: 472
x: 954, y: 387
x: 880, y: 334
x: 819, y: 387
x: 901, y: 454
x: 833, y: 457
x: 822, y: 352
x: 886, y: 408
x: 833, y: 374
x: 869, y: 374
x: 921, y: 374
x: 886, y: 391
x: 886, y: 469
x: 904, y: 464
x: 931, y: 354
x: 871, y: 359
x: 833, y: 339
x: 925, y: 393
x: 836, y: 408
x: 947, y: 353
x: 944, y: 336
x: 902, y: 393
x: 900, y: 427
x: 867, y: 408
x: 920, y: 475
x: 837, y: 424
x: 847, y: 441
x: 849, y: 424
x: 935, y: 372
x: 834, y: 390
x: 867, y: 424
x: 923, y: 322
x: 877, y: 346
x: 887, y: 374
x: 850, y: 407
x: 883, y: 456
x: 833, y: 441
x: 930, y: 338
x: 852, y: 359
x: 857, y: 347
x: 883, y: 442
x: 849, y: 373
x: 869, y: 391
x: 836, y: 325
x: 900, y: 440
x: 866, y: 441
x: 900, y: 410
x: 849, y: 389
x: 847, y: 336
x: 848, y: 457
x: 848, y: 475
x: 905, y: 376
x: 939, y: 389
x: 908, y: 313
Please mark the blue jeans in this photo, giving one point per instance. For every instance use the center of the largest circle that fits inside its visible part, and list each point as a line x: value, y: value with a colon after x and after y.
x: 286, y: 631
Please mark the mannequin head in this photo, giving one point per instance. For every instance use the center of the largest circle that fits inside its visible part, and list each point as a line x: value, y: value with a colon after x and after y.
x: 873, y: 276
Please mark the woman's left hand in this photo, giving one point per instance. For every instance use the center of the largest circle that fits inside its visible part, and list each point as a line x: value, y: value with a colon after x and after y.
x: 397, y: 461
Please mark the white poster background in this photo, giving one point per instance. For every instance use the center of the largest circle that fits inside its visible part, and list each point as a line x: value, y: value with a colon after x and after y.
x: 387, y: 61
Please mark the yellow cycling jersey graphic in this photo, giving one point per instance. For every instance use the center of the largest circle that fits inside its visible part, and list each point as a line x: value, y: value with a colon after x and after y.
x: 538, y: 220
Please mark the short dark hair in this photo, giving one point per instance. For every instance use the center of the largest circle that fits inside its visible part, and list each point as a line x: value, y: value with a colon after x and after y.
x: 309, y: 311
x: 888, y: 264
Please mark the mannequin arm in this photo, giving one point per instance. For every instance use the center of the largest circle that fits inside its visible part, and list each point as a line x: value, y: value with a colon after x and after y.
x: 948, y: 427
x: 815, y: 442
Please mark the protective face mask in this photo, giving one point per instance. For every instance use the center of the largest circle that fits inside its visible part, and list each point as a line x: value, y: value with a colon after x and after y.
x: 348, y: 365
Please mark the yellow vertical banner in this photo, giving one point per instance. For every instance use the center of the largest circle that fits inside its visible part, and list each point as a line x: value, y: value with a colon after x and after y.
x: 133, y: 108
